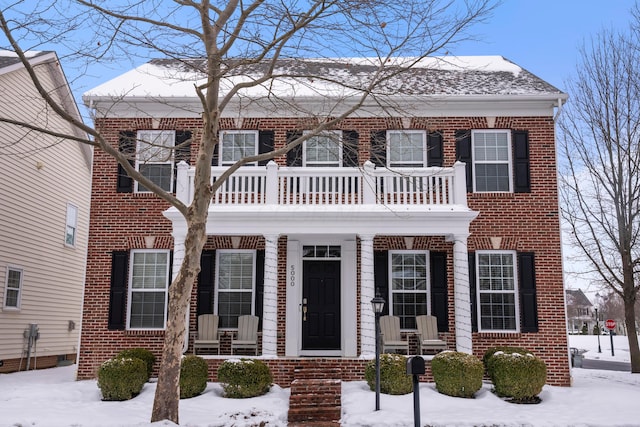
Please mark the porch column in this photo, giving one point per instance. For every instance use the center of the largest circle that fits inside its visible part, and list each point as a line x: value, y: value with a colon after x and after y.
x: 270, y: 302
x: 367, y: 292
x: 461, y: 294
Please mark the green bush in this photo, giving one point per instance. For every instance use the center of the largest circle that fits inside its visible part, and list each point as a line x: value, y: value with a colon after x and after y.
x: 140, y: 353
x: 486, y: 358
x: 244, y: 378
x: 457, y: 374
x: 193, y: 376
x: 121, y: 378
x: 518, y: 378
x: 393, y: 374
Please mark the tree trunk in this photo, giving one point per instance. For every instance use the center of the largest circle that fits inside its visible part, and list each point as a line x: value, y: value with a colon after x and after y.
x: 632, y: 333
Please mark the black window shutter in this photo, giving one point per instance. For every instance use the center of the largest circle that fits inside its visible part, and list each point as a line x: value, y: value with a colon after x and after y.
x: 439, y: 301
x: 464, y: 154
x: 206, y: 283
x: 294, y: 156
x: 118, y: 290
x: 265, y: 144
x: 378, y: 151
x: 127, y: 146
x: 183, y: 152
x: 350, y: 148
x: 472, y: 292
x: 435, y: 154
x: 216, y: 150
x: 259, y: 302
x: 381, y: 274
x: 522, y: 176
x: 528, y: 300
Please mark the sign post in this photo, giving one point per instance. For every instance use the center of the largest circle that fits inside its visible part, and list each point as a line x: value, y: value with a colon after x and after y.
x: 611, y: 325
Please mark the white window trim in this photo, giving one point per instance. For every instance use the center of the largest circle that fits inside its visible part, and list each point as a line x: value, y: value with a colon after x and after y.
x: 338, y: 134
x: 6, y: 289
x: 139, y: 142
x: 74, y: 225
x: 515, y: 291
x: 217, y: 288
x: 237, y: 131
x: 509, y: 161
x: 130, y: 288
x: 390, y: 280
x: 400, y: 131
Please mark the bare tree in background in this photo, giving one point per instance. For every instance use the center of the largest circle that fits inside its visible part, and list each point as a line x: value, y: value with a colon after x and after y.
x: 600, y: 183
x: 251, y: 33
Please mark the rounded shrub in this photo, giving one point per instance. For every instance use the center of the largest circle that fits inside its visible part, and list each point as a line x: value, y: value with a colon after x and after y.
x: 486, y: 358
x: 457, y: 374
x: 193, y: 376
x: 244, y: 378
x: 140, y: 353
x: 393, y: 374
x: 121, y: 378
x: 519, y: 378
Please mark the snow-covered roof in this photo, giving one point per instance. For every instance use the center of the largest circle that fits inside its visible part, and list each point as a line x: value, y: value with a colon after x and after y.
x: 340, y: 77
x: 8, y: 57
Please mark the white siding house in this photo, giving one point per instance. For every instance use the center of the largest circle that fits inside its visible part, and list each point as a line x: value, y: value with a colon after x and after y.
x: 44, y: 218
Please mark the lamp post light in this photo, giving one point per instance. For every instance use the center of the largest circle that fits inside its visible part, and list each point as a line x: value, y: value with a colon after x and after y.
x: 598, y: 322
x: 377, y: 304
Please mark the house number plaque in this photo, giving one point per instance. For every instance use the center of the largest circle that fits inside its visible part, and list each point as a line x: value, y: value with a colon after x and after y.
x: 292, y: 275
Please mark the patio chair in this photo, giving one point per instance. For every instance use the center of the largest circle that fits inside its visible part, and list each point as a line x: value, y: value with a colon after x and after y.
x: 247, y: 335
x: 207, y: 335
x: 428, y: 334
x: 390, y: 334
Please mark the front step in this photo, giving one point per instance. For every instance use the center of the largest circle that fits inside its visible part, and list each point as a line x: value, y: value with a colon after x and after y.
x: 315, y: 401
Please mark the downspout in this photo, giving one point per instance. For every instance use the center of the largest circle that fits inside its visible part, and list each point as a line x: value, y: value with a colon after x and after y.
x: 555, y: 118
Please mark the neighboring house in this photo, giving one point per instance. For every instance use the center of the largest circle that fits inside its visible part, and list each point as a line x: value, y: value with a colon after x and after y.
x: 441, y: 195
x: 580, y: 312
x: 44, y: 219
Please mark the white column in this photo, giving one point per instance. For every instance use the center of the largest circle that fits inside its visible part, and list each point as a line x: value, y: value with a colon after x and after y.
x: 367, y: 292
x: 270, y: 302
x: 178, y: 257
x: 461, y: 294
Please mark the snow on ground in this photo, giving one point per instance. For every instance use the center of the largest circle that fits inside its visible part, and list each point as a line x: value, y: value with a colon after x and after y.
x: 52, y: 398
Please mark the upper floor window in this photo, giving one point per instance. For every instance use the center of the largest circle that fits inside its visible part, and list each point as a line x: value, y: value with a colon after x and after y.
x: 148, y: 289
x: 409, y: 288
x: 323, y: 149
x: 406, y: 148
x: 154, y: 158
x: 492, y: 160
x: 497, y: 291
x: 236, y: 145
x: 13, y: 288
x: 72, y: 225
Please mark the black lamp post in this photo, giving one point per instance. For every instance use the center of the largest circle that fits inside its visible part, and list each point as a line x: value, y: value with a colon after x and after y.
x: 377, y: 304
x: 598, y: 322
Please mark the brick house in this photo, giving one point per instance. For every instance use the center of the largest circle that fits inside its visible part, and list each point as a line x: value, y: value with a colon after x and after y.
x: 441, y: 195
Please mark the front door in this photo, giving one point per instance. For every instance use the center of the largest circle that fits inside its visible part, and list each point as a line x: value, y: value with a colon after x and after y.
x: 321, y: 305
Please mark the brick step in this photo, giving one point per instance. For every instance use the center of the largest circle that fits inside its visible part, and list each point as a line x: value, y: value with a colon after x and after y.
x: 314, y: 414
x: 315, y: 402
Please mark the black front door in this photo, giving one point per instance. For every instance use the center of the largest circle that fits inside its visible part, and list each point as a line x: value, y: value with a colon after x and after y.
x: 321, y: 305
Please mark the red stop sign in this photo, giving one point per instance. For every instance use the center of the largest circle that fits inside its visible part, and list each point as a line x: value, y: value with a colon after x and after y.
x: 610, y: 324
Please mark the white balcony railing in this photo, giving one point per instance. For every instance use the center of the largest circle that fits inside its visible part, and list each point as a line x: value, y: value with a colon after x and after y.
x: 275, y: 185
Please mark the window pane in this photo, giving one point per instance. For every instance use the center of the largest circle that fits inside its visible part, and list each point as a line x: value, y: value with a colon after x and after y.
x: 150, y: 270
x: 231, y: 305
x: 497, y: 297
x: 492, y: 177
x: 406, y: 149
x: 322, y: 150
x: 491, y: 146
x: 237, y: 145
x: 409, y: 272
x: 12, y: 298
x: 235, y: 271
x: 497, y: 311
x: 159, y: 174
x: 147, y: 310
x: 407, y: 306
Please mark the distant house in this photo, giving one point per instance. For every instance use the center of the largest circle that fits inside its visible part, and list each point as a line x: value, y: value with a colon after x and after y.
x: 440, y: 194
x: 580, y: 312
x: 44, y: 219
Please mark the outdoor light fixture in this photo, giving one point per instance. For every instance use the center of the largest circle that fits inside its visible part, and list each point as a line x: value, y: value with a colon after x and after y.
x: 377, y: 304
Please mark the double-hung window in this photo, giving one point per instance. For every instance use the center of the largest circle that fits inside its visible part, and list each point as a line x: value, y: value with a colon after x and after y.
x: 409, y: 288
x: 406, y: 148
x: 13, y: 288
x: 235, y: 279
x: 148, y: 289
x: 72, y: 225
x: 236, y: 145
x: 497, y: 291
x: 155, y: 156
x: 492, y: 160
x: 324, y: 149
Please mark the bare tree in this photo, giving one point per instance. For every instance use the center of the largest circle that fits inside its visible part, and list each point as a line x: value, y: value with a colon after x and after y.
x: 234, y: 37
x: 600, y: 183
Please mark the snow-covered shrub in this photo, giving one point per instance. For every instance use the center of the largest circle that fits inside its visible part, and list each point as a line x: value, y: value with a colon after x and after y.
x: 393, y: 374
x: 241, y: 378
x: 140, y: 353
x: 121, y: 378
x: 517, y: 377
x: 457, y: 374
x: 486, y: 358
x: 193, y: 376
